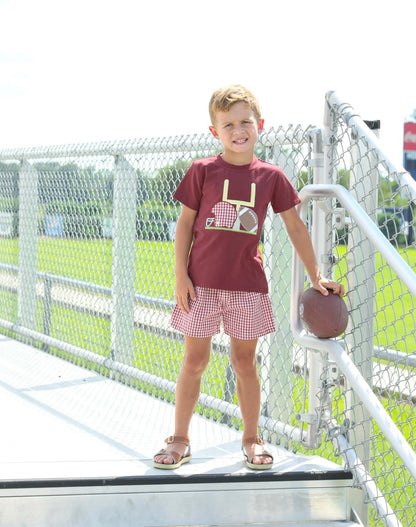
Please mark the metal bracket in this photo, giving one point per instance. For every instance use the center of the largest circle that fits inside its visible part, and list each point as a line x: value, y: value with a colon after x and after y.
x: 333, y: 371
x: 332, y: 376
x: 329, y: 259
x: 307, y: 418
x: 337, y: 430
x: 339, y: 217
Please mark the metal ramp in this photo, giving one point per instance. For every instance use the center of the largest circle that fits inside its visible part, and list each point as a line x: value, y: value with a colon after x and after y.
x: 72, y: 456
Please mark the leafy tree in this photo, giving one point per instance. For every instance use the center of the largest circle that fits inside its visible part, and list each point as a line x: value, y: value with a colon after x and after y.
x: 388, y: 194
x: 9, y: 180
x: 167, y: 179
x: 344, y: 178
x: 143, y: 185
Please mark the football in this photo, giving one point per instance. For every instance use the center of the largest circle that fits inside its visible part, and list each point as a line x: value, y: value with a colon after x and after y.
x: 248, y: 219
x: 324, y: 316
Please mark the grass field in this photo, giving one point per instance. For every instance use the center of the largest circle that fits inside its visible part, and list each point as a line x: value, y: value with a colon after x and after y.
x: 91, y: 261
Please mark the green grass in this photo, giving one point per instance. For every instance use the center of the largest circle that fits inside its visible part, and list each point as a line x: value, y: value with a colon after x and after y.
x: 393, y: 304
x: 91, y: 261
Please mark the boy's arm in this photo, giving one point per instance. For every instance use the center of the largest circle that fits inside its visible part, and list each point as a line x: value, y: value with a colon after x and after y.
x: 299, y: 235
x: 183, y: 241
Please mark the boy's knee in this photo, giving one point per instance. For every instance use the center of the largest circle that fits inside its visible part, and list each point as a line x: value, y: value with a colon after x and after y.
x: 196, y: 357
x: 194, y: 364
x: 244, y: 365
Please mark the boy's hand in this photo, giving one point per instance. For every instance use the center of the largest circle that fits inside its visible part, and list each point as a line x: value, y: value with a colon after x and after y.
x: 322, y: 285
x: 184, y: 289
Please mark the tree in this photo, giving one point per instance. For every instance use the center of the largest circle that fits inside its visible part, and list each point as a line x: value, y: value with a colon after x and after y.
x: 167, y: 180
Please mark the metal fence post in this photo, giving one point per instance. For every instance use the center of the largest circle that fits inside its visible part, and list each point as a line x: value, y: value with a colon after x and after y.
x: 321, y: 241
x: 27, y: 259
x: 47, y: 304
x: 359, y: 338
x: 277, y: 362
x: 361, y: 279
x: 124, y: 252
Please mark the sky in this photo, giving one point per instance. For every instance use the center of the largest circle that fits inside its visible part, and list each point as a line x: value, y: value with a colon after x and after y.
x: 99, y: 70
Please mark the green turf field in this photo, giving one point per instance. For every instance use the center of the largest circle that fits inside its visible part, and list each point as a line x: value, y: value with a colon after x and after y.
x: 91, y: 261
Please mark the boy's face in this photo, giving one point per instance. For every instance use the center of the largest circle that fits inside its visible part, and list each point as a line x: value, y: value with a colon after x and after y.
x: 238, y: 130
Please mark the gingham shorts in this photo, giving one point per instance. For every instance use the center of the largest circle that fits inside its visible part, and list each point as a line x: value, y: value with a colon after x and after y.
x: 245, y: 315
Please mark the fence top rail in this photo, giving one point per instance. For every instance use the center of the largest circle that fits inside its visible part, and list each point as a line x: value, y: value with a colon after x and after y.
x: 353, y: 120
x: 185, y: 143
x: 111, y: 148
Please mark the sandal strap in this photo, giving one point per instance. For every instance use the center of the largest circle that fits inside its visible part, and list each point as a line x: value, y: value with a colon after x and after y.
x: 177, y: 439
x: 176, y: 456
x: 257, y: 440
x: 173, y: 454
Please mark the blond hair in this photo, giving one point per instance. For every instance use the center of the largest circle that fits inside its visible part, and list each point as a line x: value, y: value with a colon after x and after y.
x: 224, y: 98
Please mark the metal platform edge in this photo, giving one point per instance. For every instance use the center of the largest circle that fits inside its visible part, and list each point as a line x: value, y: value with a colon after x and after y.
x: 177, y: 479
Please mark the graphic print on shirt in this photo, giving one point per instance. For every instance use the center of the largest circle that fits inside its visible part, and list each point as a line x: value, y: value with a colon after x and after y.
x: 234, y: 215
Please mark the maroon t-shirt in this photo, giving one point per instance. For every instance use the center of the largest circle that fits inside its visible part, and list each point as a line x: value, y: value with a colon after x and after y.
x: 232, y: 204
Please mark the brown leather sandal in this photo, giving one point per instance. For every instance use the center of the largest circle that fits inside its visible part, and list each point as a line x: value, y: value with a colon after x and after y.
x: 177, y: 458
x: 249, y: 462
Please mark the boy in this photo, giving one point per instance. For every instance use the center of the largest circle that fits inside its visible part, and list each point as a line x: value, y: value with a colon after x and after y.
x: 224, y: 203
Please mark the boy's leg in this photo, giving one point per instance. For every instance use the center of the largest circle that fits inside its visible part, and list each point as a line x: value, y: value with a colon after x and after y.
x: 195, y: 360
x: 243, y: 360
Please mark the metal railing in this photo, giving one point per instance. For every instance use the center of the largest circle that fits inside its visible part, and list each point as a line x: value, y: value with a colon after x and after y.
x: 335, y: 351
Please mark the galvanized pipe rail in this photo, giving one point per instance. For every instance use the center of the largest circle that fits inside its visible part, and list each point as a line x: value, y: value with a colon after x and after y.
x: 139, y: 146
x: 350, y: 117
x: 334, y: 348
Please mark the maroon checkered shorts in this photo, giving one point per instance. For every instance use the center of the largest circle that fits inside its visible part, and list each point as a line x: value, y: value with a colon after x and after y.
x: 245, y: 315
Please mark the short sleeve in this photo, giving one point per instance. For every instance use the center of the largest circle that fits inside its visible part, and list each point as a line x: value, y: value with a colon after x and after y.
x: 284, y: 195
x: 189, y: 191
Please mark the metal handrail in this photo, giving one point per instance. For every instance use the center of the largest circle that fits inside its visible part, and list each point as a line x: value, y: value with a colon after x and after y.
x: 333, y: 347
x: 373, y: 233
x: 196, y: 143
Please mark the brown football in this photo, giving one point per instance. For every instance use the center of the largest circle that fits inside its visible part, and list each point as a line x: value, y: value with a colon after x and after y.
x: 324, y: 316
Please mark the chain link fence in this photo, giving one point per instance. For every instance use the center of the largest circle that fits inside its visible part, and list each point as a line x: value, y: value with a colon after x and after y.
x: 86, y: 273
x: 380, y: 337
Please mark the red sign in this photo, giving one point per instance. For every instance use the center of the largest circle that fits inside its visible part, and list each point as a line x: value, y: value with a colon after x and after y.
x: 409, y: 137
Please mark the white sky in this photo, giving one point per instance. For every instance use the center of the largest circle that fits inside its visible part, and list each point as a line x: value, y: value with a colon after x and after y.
x: 92, y: 70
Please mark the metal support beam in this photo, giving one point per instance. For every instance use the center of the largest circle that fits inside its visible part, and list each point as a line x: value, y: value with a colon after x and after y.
x: 27, y: 260
x: 124, y: 253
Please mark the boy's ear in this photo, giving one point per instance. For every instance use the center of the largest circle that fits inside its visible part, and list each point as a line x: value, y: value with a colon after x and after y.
x: 213, y: 132
x: 261, y: 125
